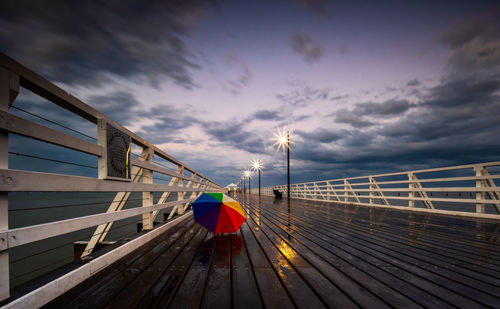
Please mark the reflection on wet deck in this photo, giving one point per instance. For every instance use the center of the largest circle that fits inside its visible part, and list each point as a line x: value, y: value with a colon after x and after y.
x: 310, y: 255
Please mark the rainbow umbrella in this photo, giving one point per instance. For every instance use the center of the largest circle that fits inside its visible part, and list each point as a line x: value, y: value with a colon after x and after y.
x: 218, y: 213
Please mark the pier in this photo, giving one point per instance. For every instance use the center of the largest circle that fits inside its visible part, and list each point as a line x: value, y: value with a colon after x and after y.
x: 308, y: 255
x: 380, y: 241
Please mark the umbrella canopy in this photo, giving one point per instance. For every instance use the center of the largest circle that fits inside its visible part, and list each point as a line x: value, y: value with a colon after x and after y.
x: 218, y: 213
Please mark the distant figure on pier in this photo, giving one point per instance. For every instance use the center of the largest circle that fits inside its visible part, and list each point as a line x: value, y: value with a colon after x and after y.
x: 231, y: 186
x: 277, y: 193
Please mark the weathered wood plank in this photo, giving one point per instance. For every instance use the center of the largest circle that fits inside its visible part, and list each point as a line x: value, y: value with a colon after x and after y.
x: 342, y: 269
x: 244, y: 287
x: 395, y: 235
x: 165, y: 289
x: 361, y: 239
x: 272, y: 291
x: 100, y: 289
x: 190, y: 291
x: 328, y: 292
x: 308, y: 254
x: 300, y: 292
x: 217, y: 292
x: 362, y: 268
x: 149, y: 283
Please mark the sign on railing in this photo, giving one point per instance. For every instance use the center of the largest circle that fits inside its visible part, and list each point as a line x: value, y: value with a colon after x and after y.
x: 116, y: 162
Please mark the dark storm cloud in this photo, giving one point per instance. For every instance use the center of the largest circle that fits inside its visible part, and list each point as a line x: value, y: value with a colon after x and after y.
x: 388, y: 108
x: 460, y: 110
x: 339, y: 97
x: 455, y: 123
x: 463, y: 92
x: 351, y: 118
x: 303, y: 96
x: 307, y: 47
x: 321, y: 135
x: 168, y: 120
x: 413, y: 83
x: 356, y: 117
x: 117, y: 105
x: 80, y: 42
x: 297, y: 118
x: 268, y: 115
x: 473, y: 43
x: 234, y: 134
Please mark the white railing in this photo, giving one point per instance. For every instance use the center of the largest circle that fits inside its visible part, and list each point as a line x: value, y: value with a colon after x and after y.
x: 465, y: 190
x: 136, y: 176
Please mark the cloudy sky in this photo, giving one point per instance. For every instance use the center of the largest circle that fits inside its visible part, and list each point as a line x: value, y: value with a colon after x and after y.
x: 366, y: 86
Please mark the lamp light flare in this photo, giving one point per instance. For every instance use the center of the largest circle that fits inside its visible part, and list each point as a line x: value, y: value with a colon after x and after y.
x: 283, y: 139
x: 257, y: 165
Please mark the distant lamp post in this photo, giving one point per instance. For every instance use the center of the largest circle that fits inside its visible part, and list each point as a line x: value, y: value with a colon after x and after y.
x: 248, y: 174
x: 257, y: 166
x: 282, y: 139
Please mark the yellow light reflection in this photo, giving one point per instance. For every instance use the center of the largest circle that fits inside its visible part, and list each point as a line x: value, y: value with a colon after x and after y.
x: 287, y: 251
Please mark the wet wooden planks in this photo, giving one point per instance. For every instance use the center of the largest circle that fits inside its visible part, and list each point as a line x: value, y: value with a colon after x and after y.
x: 308, y: 255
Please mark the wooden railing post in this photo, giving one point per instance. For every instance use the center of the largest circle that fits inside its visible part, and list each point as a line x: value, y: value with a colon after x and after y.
x: 346, y: 193
x: 372, y: 186
x: 494, y: 194
x: 9, y: 88
x: 190, y: 184
x: 147, y: 197
x: 329, y: 192
x: 411, y: 192
x: 180, y: 195
x: 479, y: 184
x: 165, y: 195
x: 117, y: 204
x: 417, y: 185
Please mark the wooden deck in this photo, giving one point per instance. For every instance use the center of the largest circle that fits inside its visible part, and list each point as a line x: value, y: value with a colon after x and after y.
x: 309, y: 255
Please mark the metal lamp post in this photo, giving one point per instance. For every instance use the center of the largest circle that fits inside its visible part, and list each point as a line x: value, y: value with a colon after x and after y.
x: 248, y: 174
x: 257, y: 166
x: 283, y: 141
x: 288, y: 163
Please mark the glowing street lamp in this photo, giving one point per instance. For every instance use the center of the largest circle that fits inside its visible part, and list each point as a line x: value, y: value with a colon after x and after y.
x: 248, y: 174
x: 282, y: 139
x: 257, y: 166
x: 243, y: 181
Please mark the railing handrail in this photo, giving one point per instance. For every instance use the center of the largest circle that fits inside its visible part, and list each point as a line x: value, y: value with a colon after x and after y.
x: 430, y: 170
x: 346, y: 192
x: 14, y: 75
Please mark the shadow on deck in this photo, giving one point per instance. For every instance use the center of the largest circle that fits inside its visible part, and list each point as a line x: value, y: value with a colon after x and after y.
x: 309, y: 255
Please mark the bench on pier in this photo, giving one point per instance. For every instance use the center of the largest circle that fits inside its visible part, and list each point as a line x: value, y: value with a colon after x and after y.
x: 277, y: 193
